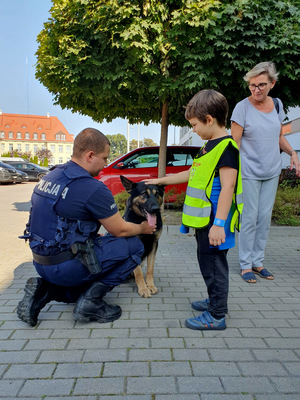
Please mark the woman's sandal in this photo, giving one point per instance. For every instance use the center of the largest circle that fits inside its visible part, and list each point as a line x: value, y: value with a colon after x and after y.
x: 264, y: 273
x: 248, y: 277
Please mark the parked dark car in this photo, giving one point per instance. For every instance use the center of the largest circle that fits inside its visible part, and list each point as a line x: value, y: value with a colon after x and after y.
x: 34, y: 171
x: 22, y: 177
x: 142, y: 163
x: 8, y: 174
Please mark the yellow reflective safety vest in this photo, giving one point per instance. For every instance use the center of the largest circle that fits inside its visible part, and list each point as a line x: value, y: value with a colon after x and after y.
x: 197, y: 205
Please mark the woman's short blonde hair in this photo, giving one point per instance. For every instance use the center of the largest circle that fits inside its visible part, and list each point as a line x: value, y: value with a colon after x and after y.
x: 266, y: 67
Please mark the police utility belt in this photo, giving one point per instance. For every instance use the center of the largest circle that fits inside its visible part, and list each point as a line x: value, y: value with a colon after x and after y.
x: 84, y: 252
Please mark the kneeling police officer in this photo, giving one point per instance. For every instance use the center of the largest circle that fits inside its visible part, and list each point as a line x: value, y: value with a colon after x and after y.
x: 74, y: 263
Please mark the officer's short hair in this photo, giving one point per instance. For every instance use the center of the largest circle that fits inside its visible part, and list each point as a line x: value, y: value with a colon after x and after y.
x: 208, y: 102
x: 89, y: 139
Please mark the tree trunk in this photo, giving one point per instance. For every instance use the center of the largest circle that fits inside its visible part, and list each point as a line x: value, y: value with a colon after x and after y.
x: 163, y: 141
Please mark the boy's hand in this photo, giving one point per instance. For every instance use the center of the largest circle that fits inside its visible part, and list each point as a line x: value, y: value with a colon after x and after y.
x: 154, y: 181
x: 216, y: 235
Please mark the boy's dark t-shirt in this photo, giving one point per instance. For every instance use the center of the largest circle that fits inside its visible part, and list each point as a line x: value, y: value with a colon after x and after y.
x: 228, y: 159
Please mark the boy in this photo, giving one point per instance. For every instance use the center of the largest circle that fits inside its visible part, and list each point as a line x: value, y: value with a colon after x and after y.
x: 213, y: 203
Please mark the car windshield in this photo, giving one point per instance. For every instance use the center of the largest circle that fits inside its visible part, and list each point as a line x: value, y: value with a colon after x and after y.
x: 3, y: 165
x: 142, y: 159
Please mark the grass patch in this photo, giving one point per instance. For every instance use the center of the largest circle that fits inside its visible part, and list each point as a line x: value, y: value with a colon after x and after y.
x: 286, y: 209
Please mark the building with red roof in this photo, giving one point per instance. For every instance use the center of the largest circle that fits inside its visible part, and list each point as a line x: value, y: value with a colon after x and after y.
x: 30, y: 133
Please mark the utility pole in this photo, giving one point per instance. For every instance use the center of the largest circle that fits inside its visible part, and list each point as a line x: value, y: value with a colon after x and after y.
x: 127, y: 136
x: 27, y: 91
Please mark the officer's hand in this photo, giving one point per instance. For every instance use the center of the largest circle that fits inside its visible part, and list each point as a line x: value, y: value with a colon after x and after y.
x: 147, y: 229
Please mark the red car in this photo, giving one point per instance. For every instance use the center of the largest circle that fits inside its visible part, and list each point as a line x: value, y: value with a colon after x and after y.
x: 142, y: 163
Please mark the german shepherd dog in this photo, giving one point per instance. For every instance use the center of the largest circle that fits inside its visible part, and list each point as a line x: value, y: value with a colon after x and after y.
x: 144, y: 204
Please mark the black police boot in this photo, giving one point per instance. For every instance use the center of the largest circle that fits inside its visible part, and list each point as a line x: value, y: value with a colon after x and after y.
x: 37, y: 295
x: 91, y: 307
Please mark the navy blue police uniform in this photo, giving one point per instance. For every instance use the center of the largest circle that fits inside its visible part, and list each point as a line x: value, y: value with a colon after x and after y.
x: 66, y: 207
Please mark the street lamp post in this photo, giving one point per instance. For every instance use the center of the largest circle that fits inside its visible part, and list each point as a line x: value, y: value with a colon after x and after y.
x: 127, y: 136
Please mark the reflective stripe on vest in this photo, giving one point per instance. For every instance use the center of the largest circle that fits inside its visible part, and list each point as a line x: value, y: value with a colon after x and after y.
x: 196, y: 193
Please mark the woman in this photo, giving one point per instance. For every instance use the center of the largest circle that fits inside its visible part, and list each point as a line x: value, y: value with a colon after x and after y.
x: 257, y: 129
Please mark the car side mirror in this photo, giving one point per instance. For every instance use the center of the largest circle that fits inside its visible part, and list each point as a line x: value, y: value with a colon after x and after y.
x: 120, y: 165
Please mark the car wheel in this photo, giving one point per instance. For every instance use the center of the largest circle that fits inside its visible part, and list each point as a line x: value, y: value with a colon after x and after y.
x: 40, y: 176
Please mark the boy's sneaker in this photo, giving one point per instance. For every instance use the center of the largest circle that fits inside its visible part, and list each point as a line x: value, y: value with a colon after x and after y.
x: 206, y: 322
x: 200, y: 305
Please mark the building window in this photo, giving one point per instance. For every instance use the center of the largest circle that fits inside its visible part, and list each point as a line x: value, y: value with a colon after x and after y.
x: 10, y: 147
x: 60, y: 149
x: 2, y: 147
x: 19, y: 135
x: 52, y: 148
x: 63, y: 137
x: 60, y: 160
x: 43, y: 146
x: 27, y: 136
x: 2, y: 134
x: 27, y: 148
x: 43, y: 136
x: 10, y: 135
x: 35, y: 136
x: 19, y: 146
x: 68, y: 149
x: 35, y: 148
x: 57, y: 136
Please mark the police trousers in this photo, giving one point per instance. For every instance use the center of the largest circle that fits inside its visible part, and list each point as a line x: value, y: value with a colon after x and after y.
x: 118, y: 257
x: 214, y: 269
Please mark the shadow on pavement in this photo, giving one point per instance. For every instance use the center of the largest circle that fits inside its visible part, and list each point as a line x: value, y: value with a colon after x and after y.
x: 24, y: 206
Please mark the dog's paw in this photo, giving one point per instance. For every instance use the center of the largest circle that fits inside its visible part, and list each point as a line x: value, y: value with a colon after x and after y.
x: 153, y: 289
x: 144, y: 292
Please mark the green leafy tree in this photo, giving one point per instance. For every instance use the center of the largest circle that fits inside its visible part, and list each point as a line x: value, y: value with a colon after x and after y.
x: 133, y: 144
x: 34, y: 159
x: 5, y: 154
x: 149, y: 142
x: 144, y: 60
x: 27, y: 155
x: 15, y: 153
x: 43, y: 156
x: 118, y: 145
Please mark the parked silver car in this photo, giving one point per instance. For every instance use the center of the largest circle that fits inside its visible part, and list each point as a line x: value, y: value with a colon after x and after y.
x: 22, y: 177
x: 8, y: 174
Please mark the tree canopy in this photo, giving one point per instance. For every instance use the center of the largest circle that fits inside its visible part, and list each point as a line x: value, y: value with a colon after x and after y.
x: 144, y: 60
x: 118, y: 145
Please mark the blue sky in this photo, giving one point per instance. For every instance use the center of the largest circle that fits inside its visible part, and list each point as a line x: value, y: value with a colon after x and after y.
x: 21, y: 93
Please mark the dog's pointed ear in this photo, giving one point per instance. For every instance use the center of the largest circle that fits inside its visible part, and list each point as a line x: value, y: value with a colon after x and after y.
x: 162, y: 188
x: 127, y: 183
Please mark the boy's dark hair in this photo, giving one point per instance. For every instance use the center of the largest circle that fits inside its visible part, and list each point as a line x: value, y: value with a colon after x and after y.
x: 89, y: 139
x: 208, y: 102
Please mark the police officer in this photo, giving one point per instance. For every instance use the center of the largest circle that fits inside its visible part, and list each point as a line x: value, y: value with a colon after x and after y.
x: 74, y: 263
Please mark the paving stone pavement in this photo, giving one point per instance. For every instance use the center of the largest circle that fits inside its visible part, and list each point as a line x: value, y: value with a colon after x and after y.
x: 148, y: 354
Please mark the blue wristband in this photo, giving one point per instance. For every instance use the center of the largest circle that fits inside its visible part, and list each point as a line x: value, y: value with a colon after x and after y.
x: 219, y: 222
